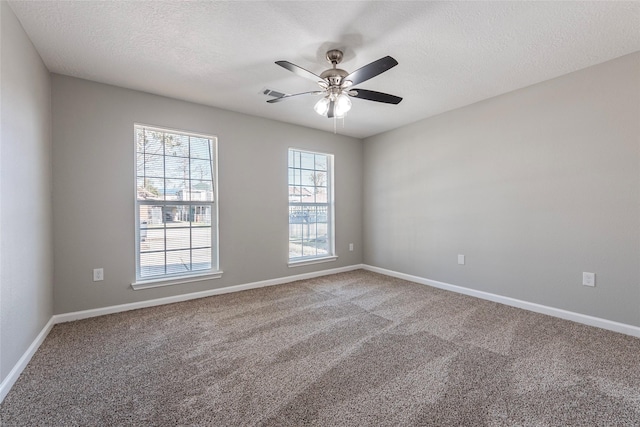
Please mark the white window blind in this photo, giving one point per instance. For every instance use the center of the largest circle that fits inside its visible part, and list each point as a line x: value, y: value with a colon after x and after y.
x: 176, y: 212
x: 311, y: 221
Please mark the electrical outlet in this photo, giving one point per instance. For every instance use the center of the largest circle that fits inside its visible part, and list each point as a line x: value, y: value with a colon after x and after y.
x: 588, y: 279
x: 350, y: 247
x: 461, y: 259
x: 98, y: 274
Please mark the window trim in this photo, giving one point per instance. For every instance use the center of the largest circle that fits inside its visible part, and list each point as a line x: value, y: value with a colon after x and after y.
x: 310, y: 261
x: 178, y: 278
x: 156, y: 283
x: 331, y: 225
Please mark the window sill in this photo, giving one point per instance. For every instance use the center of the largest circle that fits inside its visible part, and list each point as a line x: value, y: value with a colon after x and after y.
x: 156, y: 283
x: 312, y: 261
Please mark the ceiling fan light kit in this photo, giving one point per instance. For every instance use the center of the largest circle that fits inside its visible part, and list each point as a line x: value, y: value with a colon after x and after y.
x: 336, y: 84
x: 343, y: 104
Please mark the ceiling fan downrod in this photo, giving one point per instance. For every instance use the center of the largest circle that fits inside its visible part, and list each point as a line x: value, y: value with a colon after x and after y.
x: 334, y: 76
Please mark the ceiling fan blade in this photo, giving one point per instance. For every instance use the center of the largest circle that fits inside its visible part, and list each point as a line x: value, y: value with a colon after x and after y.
x: 372, y: 95
x: 280, y: 98
x: 371, y: 70
x: 332, y: 109
x: 299, y: 71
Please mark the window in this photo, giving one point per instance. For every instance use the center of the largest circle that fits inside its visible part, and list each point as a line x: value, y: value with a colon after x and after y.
x: 176, y: 212
x: 310, y: 207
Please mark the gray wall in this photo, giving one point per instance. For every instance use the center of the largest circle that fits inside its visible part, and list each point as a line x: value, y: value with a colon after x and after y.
x: 93, y: 191
x: 534, y: 187
x: 26, y: 298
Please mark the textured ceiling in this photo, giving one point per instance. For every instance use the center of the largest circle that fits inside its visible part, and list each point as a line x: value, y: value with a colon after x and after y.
x: 222, y: 54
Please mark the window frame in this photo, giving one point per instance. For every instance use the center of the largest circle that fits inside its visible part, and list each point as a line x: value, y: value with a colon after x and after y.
x: 182, y: 277
x: 330, y: 204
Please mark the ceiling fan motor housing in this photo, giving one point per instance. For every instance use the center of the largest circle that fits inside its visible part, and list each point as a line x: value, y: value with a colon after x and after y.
x: 334, y: 76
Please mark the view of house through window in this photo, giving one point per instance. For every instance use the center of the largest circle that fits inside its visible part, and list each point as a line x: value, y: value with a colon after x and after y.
x: 310, y: 205
x: 176, y: 214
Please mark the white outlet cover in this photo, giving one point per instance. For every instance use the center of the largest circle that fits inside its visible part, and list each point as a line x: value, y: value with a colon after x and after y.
x: 588, y: 279
x: 461, y: 259
x: 98, y: 274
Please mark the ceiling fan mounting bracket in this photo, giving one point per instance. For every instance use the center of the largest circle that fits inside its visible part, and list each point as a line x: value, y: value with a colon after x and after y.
x: 334, y: 56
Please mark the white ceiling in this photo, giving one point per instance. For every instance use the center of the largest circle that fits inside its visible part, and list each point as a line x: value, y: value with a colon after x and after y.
x: 222, y: 54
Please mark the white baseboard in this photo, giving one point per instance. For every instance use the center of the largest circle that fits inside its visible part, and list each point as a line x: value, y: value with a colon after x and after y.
x: 84, y: 314
x: 538, y: 308
x: 13, y: 375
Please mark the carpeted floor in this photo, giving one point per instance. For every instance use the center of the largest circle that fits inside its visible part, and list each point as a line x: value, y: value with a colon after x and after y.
x: 352, y: 349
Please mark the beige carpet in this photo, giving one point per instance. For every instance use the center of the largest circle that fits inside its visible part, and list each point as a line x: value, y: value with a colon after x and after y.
x: 353, y: 349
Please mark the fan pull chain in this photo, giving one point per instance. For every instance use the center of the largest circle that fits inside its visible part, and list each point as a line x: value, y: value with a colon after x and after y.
x: 335, y: 119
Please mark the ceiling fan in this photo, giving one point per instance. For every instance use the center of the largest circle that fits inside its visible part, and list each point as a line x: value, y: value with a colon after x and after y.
x: 337, y: 85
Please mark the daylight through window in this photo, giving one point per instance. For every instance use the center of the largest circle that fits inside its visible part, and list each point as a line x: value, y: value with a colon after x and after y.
x: 310, y: 205
x: 176, y: 214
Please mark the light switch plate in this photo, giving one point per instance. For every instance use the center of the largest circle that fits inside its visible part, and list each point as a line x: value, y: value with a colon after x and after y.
x: 461, y: 259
